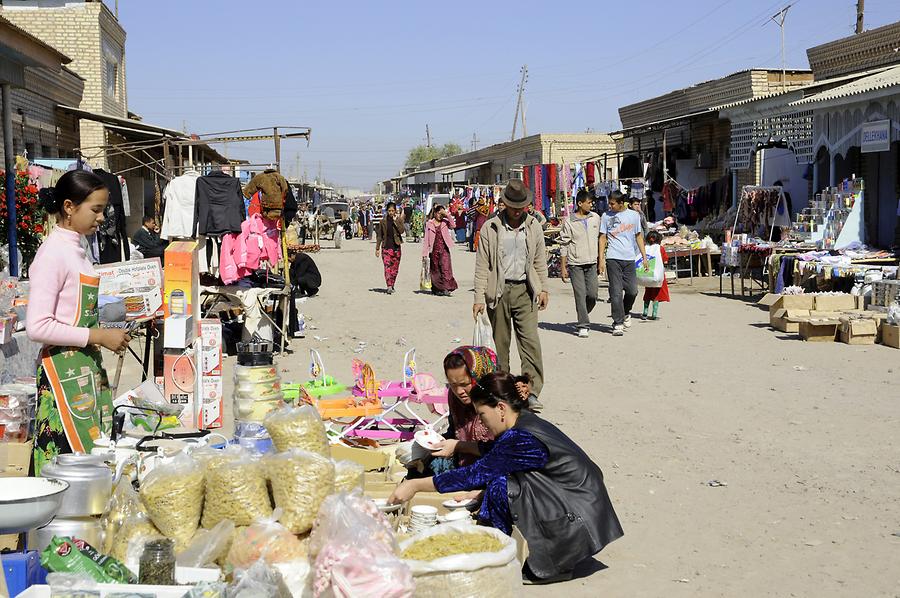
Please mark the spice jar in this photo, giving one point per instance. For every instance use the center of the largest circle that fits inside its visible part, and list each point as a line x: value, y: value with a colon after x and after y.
x: 157, y: 566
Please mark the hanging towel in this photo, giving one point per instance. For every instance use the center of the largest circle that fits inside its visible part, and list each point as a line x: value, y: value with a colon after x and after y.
x: 589, y: 175
x: 538, y: 188
x: 526, y: 176
x: 545, y: 189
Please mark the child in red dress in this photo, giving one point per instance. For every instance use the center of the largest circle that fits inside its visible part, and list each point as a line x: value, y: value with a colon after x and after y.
x: 656, y: 294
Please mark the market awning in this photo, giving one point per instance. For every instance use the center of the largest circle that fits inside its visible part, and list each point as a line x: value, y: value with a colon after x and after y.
x: 455, y: 169
x: 108, y: 119
x: 659, y: 125
x: 434, y: 169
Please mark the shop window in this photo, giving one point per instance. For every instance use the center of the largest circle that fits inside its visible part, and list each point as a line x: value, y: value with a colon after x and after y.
x: 112, y: 78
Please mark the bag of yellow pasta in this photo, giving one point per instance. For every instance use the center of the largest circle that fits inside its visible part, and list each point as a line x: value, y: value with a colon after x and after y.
x: 300, y: 482
x: 348, y: 475
x: 235, y: 489
x: 173, y: 495
x: 457, y: 559
x: 297, y: 428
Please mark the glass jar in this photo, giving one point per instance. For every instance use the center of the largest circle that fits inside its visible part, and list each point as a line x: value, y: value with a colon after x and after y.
x: 157, y: 565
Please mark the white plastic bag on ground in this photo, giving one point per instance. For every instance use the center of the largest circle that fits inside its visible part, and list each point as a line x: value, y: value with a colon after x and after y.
x: 483, y: 336
x: 473, y: 575
x: 655, y: 275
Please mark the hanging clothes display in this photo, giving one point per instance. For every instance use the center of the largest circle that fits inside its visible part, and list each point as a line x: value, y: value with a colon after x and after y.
x: 258, y: 242
x: 538, y: 187
x: 589, y: 175
x: 112, y: 237
x: 545, y: 189
x: 219, y: 204
x: 180, y: 198
x: 526, y: 176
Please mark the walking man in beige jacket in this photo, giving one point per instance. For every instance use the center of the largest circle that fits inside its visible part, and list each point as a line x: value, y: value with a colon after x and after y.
x: 511, y: 282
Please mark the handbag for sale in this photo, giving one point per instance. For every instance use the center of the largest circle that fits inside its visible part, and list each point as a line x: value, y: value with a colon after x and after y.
x: 425, y: 275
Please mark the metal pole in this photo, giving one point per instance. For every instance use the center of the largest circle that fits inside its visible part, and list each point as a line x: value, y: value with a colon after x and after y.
x: 860, y: 11
x: 10, y: 163
x: 277, y: 150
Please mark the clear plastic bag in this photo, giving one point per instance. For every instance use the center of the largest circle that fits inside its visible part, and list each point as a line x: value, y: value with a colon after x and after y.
x: 300, y: 483
x: 235, y: 489
x: 348, y: 475
x: 265, y: 540
x: 297, y: 428
x: 356, y: 552
x: 173, y: 495
x: 425, y: 275
x: 483, y: 336
x: 259, y: 581
x: 207, y: 546
x: 123, y: 506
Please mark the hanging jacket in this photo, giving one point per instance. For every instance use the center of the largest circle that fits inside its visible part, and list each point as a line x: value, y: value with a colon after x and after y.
x: 219, y: 205
x: 180, y: 197
x: 273, y: 186
x: 243, y: 253
x: 113, y: 236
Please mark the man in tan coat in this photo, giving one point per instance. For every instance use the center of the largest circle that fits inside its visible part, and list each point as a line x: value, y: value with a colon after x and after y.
x: 511, y: 282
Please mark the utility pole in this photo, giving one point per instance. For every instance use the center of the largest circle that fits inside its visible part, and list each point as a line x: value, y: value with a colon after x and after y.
x: 860, y: 9
x: 524, y: 71
x: 524, y: 122
x: 297, y: 172
x: 474, y: 142
x: 778, y: 18
x: 427, y: 136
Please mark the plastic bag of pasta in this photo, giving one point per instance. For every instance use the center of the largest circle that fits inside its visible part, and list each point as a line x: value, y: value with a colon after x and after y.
x: 265, y: 540
x: 348, y: 475
x: 173, y: 495
x: 297, y: 428
x: 123, y: 506
x: 235, y: 489
x: 458, y: 559
x: 300, y: 482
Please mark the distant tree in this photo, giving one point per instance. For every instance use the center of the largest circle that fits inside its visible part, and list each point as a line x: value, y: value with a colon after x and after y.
x: 423, y: 153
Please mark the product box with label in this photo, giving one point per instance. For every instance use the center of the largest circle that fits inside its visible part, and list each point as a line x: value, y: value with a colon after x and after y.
x: 180, y: 385
x: 213, y: 408
x: 137, y: 282
x: 181, y: 282
x: 211, y: 347
x: 178, y: 331
x: 211, y: 386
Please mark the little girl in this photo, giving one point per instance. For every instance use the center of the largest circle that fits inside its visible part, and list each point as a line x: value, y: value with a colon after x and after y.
x: 660, y: 293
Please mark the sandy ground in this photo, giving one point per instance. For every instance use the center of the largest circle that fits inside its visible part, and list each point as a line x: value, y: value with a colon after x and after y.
x: 803, y: 436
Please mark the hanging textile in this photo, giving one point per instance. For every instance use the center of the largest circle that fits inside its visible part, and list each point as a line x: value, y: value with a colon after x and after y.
x: 545, y: 189
x: 578, y: 179
x: 538, y: 188
x: 526, y: 176
x: 589, y: 175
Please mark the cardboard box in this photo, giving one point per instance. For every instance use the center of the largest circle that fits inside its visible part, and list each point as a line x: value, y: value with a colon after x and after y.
x: 835, y: 302
x: 181, y: 280
x: 213, y: 405
x: 819, y: 330
x: 138, y: 282
x: 180, y: 386
x: 7, y: 328
x: 862, y: 331
x: 211, y: 347
x: 793, y: 302
x: 786, y: 320
x: 178, y: 331
x: 769, y: 299
x: 890, y: 335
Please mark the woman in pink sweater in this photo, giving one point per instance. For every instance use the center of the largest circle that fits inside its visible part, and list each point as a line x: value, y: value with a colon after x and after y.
x: 74, y: 399
x: 436, y: 249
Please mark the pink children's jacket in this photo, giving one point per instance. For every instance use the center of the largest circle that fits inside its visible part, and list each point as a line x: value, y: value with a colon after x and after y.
x: 243, y: 253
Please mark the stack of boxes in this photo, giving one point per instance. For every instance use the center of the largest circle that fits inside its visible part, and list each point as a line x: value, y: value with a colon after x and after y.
x: 825, y: 318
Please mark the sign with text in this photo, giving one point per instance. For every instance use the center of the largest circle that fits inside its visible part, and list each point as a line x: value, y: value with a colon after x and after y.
x: 138, y: 283
x: 875, y: 137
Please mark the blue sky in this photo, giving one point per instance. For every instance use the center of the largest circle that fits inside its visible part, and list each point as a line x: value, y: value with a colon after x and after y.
x: 368, y: 76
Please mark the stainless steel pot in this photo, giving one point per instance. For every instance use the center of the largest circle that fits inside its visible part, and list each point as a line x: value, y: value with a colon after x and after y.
x: 90, y: 484
x: 84, y: 528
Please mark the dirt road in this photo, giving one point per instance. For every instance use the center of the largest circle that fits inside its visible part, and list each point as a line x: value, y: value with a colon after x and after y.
x: 800, y: 439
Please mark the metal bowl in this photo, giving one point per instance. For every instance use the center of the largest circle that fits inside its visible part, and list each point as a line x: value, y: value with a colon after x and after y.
x: 27, y: 503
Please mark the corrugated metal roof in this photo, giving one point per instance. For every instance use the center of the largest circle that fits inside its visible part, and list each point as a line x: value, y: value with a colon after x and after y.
x: 883, y: 80
x: 455, y: 169
x: 804, y: 88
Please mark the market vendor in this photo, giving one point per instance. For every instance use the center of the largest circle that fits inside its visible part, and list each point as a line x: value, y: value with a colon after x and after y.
x: 534, y: 477
x: 74, y: 400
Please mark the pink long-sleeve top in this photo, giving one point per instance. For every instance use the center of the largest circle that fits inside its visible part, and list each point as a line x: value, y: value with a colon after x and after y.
x: 432, y: 231
x: 55, y: 285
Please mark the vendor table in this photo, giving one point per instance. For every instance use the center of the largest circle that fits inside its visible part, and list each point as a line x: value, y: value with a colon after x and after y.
x: 18, y: 358
x: 674, y: 252
x: 283, y: 296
